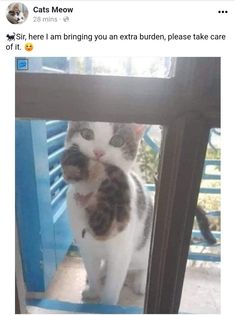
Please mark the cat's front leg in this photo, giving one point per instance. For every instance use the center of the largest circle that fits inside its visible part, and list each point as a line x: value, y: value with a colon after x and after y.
x: 139, y: 283
x: 117, y: 267
x: 92, y: 265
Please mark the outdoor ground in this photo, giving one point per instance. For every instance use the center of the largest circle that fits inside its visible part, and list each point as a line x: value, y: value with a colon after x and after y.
x: 201, y: 292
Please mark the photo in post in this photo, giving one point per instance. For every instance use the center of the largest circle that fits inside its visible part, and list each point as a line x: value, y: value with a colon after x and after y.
x: 101, y: 165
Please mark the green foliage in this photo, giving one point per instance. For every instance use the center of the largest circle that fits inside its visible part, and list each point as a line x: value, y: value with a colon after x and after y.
x: 148, y: 162
x: 212, y: 154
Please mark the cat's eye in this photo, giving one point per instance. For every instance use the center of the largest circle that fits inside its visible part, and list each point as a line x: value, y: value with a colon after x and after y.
x: 117, y: 141
x: 87, y: 134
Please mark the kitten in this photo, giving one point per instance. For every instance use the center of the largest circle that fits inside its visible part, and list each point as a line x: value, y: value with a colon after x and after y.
x: 109, y: 209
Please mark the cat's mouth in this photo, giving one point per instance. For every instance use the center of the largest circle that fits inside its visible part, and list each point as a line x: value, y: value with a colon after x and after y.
x: 97, y: 158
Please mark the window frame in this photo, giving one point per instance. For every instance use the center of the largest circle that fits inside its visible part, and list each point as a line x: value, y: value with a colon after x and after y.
x: 188, y: 106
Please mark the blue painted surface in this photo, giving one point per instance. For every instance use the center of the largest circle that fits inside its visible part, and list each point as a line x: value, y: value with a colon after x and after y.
x: 56, y: 132
x: 213, y: 191
x: 55, y: 142
x: 33, y: 205
x: 84, y: 308
x: 150, y: 187
x: 55, y: 126
x: 211, y: 163
x: 214, y: 213
x: 54, y: 158
x: 41, y: 212
x: 63, y: 235
x: 148, y: 140
x: 204, y: 257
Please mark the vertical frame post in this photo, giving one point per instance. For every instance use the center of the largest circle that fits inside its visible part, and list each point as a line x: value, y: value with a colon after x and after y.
x: 20, y: 305
x: 181, y: 165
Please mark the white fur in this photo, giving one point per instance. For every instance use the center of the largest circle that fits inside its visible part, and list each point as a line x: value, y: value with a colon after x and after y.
x: 118, y: 253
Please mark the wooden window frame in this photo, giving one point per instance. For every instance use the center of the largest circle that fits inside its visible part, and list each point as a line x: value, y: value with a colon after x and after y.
x: 187, y: 105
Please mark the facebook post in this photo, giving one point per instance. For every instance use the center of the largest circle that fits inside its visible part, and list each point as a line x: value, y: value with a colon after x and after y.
x: 117, y: 177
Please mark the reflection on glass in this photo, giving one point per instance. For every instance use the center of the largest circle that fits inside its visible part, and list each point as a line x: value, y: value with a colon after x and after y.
x: 155, y: 67
x: 53, y: 263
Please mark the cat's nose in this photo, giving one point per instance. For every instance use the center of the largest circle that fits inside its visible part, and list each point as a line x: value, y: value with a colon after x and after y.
x: 98, y: 153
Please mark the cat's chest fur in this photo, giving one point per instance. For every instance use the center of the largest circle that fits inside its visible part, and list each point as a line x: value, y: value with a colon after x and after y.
x: 101, y: 247
x: 101, y: 207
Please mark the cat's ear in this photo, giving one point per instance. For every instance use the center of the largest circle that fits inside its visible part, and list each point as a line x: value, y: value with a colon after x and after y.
x: 73, y: 125
x: 139, y: 130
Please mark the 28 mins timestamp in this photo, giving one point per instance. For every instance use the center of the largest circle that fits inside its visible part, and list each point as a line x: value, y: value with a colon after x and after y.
x: 48, y: 19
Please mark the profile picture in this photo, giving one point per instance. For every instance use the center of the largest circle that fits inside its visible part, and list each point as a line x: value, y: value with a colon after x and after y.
x: 17, y: 13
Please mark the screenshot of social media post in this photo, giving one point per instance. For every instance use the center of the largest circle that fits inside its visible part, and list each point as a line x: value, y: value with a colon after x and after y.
x: 117, y: 170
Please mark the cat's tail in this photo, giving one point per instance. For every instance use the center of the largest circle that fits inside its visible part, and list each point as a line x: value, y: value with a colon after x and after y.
x: 204, y: 225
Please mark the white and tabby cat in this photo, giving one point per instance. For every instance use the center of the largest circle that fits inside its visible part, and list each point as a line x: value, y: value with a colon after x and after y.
x: 109, y: 209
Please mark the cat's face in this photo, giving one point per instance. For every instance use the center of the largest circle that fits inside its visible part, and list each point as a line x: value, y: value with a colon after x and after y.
x: 112, y: 143
x: 16, y: 16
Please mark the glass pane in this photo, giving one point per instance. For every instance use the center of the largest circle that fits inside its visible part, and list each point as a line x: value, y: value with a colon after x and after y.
x: 122, y: 181
x: 201, y: 291
x: 110, y: 169
x: 158, y: 67
x: 54, y: 262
